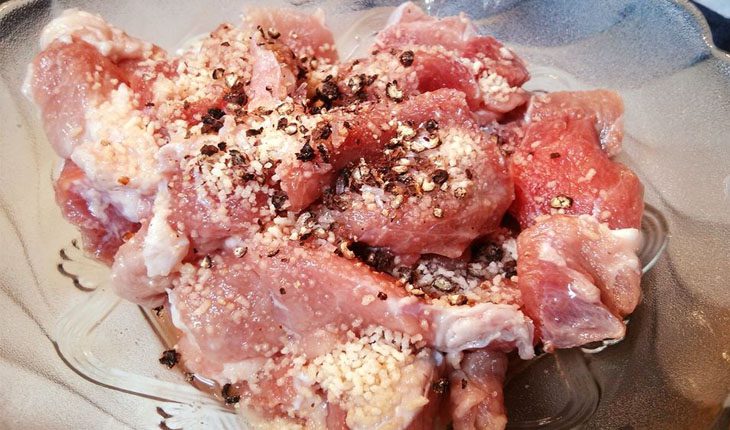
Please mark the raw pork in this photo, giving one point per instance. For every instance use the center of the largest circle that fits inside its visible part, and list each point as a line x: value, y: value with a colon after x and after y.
x: 578, y: 279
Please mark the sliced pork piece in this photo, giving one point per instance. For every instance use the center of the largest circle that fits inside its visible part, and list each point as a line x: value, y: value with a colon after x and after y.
x: 232, y: 70
x: 476, y: 401
x: 305, y: 34
x: 146, y: 264
x: 578, y: 278
x: 409, y: 26
x: 603, y: 106
x: 231, y: 181
x: 343, y: 135
x: 415, y: 69
x: 103, y: 228
x: 497, y: 71
x: 208, y: 74
x: 410, y: 70
x: 440, y: 184
x: 270, y: 298
x: 66, y: 79
x: 268, y: 294
x: 559, y: 167
x: 83, y: 59
x: 80, y: 83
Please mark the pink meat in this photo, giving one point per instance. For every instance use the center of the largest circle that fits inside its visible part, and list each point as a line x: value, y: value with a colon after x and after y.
x: 303, y: 180
x: 430, y: 70
x: 305, y: 34
x: 273, y: 393
x: 412, y: 227
x: 270, y: 394
x: 305, y: 298
x: 103, y: 228
x: 141, y: 77
x: 196, y: 207
x: 266, y: 301
x: 476, y: 401
x: 363, y: 133
x: 604, y: 107
x: 410, y: 26
x: 129, y: 277
x: 270, y: 80
x: 578, y: 278
x: 560, y: 167
x: 416, y: 69
x: 67, y: 80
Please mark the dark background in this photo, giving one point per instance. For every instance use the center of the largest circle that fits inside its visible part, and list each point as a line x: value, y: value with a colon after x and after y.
x: 719, y: 25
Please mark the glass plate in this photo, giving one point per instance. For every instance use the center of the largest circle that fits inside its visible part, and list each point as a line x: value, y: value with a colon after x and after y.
x: 74, y: 356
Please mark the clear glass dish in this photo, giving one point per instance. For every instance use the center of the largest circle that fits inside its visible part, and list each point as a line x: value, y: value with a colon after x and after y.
x: 77, y: 357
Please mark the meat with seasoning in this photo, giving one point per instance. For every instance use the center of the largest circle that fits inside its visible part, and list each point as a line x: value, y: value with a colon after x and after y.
x: 433, y: 191
x: 559, y: 165
x: 334, y: 242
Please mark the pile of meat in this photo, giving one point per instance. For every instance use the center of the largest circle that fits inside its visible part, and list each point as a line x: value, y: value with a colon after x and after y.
x: 352, y: 244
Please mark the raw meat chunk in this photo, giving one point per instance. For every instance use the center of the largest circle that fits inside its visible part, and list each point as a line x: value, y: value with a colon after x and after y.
x: 578, y: 278
x: 440, y: 184
x: 559, y: 167
x: 476, y: 401
x: 280, y: 295
x: 497, y: 72
x: 103, y: 228
x: 65, y: 81
x: 605, y: 108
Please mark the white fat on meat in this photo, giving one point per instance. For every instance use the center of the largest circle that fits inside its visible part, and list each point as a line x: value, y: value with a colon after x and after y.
x: 129, y: 277
x: 631, y: 238
x: 240, y: 370
x: 409, y: 12
x: 581, y: 288
x: 120, y: 160
x: 164, y: 248
x: 92, y: 29
x: 550, y: 254
x: 458, y: 328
